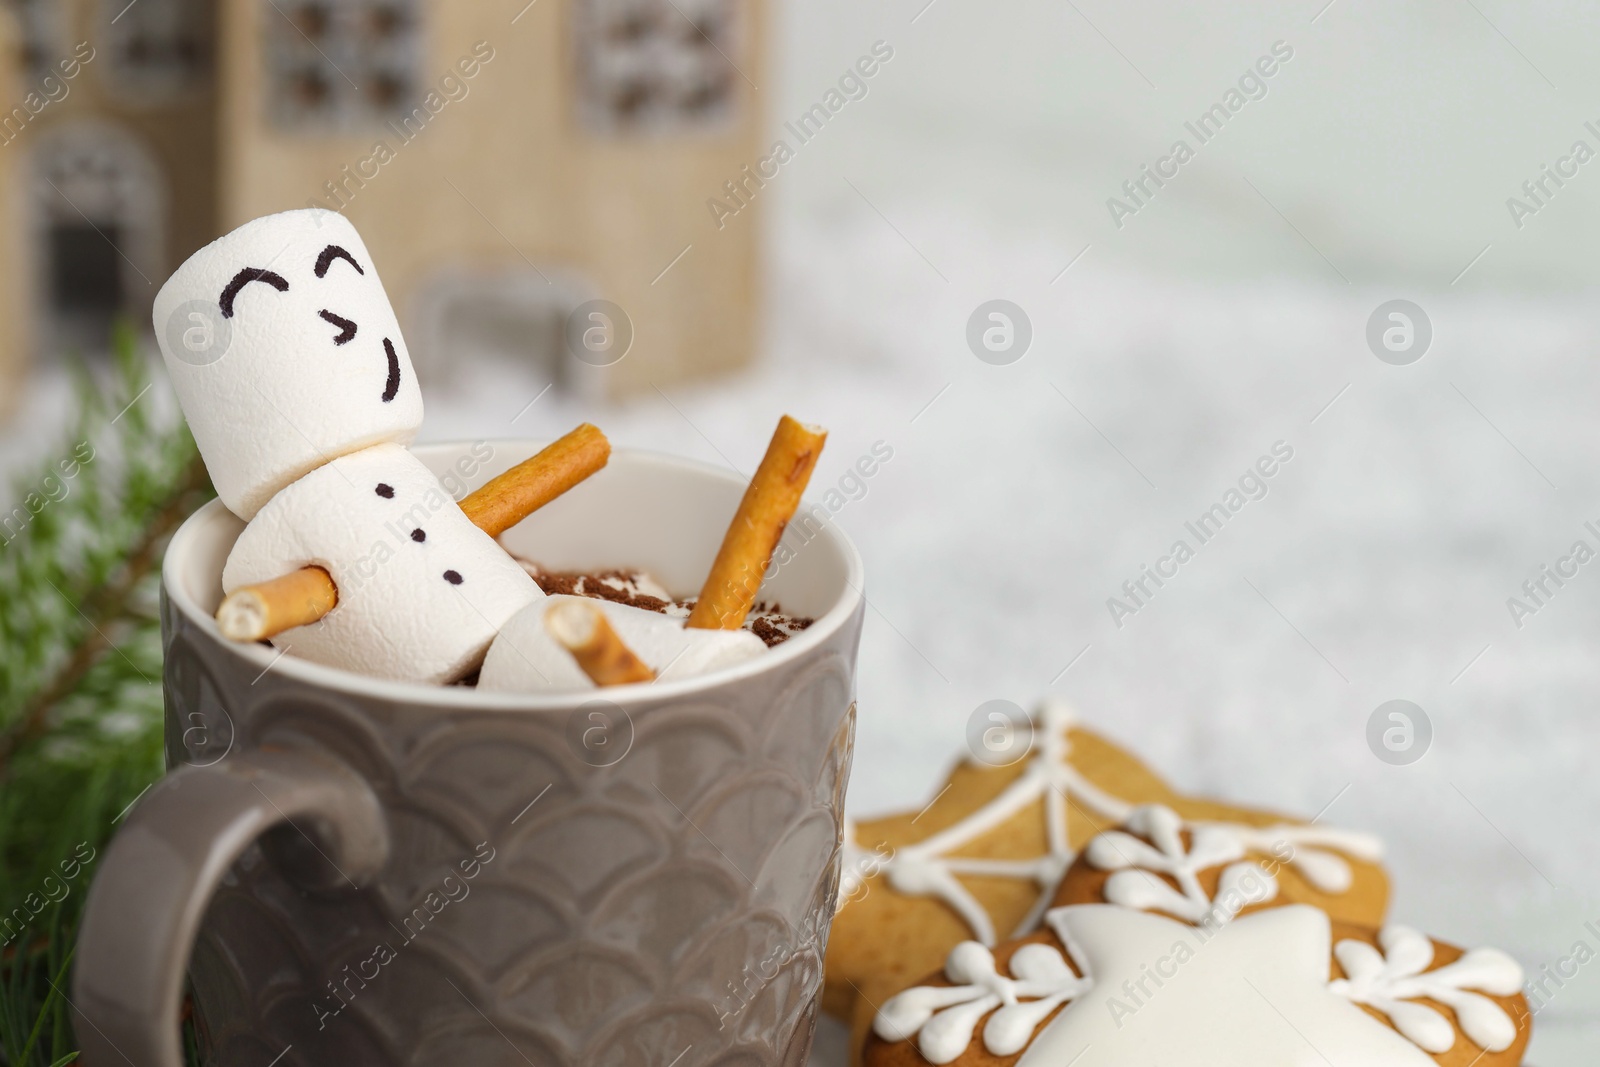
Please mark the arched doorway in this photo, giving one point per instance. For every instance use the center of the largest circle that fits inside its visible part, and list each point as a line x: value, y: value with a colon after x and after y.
x: 99, y: 207
x: 484, y: 314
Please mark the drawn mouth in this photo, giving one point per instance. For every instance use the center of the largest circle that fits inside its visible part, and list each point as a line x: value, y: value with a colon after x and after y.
x: 393, y: 387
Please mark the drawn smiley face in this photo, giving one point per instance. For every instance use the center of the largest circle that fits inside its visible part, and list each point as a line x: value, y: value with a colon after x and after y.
x: 346, y: 328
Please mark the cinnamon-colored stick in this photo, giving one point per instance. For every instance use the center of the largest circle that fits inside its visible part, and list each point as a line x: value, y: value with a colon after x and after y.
x: 260, y: 612
x: 583, y: 630
x: 256, y: 612
x: 505, y: 501
x: 768, y: 505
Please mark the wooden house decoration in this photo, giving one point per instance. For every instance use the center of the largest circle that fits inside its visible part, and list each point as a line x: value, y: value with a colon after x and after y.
x: 506, y: 164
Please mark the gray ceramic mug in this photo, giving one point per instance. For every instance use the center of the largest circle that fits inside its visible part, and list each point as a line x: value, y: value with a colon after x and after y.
x: 360, y: 872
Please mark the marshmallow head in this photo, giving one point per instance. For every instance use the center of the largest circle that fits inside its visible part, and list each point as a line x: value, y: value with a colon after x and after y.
x: 526, y: 659
x: 284, y: 353
x: 422, y: 591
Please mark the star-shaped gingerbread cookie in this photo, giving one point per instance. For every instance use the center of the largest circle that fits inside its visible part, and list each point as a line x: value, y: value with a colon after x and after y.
x: 988, y: 856
x: 1109, y: 986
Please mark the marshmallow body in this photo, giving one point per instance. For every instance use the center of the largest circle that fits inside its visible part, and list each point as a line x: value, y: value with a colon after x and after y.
x: 285, y: 353
x: 525, y: 658
x: 422, y: 591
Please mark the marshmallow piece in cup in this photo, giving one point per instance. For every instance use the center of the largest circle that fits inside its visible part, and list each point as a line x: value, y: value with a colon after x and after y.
x: 285, y: 353
x: 526, y: 659
x: 422, y: 591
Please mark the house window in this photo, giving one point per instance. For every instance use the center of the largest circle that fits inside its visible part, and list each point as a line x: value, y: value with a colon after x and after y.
x: 647, y: 65
x: 44, y: 35
x: 340, y: 65
x: 157, y: 49
x: 98, y: 208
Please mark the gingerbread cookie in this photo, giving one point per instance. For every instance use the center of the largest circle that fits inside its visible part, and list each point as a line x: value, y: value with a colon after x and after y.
x: 988, y: 856
x: 1205, y: 943
x: 1108, y: 985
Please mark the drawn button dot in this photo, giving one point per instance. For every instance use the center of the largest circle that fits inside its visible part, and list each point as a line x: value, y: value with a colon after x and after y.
x: 452, y: 577
x: 419, y: 536
x: 385, y: 490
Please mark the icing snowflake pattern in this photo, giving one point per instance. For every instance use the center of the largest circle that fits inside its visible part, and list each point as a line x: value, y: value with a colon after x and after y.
x: 1391, y: 982
x: 945, y: 1018
x: 1158, y: 849
x: 1130, y: 960
x: 1325, y: 870
x: 927, y: 868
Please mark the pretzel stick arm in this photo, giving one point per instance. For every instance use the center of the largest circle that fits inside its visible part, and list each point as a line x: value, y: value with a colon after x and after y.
x: 257, y: 612
x: 504, y: 501
x: 584, y: 631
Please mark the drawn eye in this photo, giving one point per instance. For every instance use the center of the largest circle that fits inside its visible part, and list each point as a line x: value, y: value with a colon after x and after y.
x: 331, y: 253
x: 244, y: 278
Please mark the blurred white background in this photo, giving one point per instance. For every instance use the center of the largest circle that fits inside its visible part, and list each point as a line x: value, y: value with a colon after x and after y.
x: 1228, y: 314
x: 1391, y: 139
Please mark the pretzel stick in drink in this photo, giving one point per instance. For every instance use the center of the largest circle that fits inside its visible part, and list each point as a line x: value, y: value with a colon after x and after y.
x: 505, y: 501
x: 768, y: 505
x: 259, y: 612
x: 584, y: 631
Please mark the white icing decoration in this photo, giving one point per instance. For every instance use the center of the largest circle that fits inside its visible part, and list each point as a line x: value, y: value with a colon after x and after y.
x: 1324, y: 870
x: 917, y: 877
x: 1135, y: 858
x: 1327, y: 871
x: 1254, y: 991
x: 1214, y: 844
x: 1389, y: 981
x: 928, y: 868
x: 943, y: 1018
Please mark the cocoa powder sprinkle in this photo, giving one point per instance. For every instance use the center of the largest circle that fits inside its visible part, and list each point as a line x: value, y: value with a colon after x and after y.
x: 766, y: 621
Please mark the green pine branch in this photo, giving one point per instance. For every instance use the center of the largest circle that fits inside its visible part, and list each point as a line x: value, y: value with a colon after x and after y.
x: 81, y: 543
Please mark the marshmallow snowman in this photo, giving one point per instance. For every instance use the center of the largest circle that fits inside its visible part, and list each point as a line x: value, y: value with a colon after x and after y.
x: 524, y: 658
x: 287, y: 359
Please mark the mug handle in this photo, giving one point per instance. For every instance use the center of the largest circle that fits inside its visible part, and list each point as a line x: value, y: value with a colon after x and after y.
x: 160, y: 871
